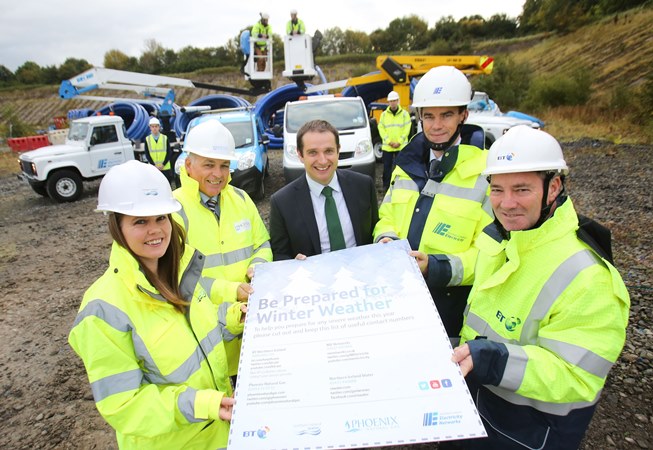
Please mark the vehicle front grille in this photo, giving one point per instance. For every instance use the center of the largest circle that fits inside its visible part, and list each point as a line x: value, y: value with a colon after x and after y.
x: 26, y: 167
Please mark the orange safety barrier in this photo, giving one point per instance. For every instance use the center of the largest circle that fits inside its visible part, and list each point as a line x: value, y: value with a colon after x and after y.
x: 23, y: 144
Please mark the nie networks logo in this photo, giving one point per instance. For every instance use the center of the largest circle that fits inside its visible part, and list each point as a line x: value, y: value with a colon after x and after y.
x: 437, y: 90
x: 511, y: 323
x: 102, y: 164
x: 434, y: 419
x: 444, y: 229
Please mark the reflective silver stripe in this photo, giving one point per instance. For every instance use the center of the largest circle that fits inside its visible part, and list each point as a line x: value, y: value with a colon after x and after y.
x: 513, y: 375
x: 390, y: 234
x: 487, y: 206
x: 191, y: 276
x: 395, y: 125
x: 207, y: 284
x: 457, y: 270
x: 186, y: 405
x: 116, y: 383
x: 240, y: 192
x: 559, y: 409
x: 106, y: 312
x: 232, y: 257
x: 184, y: 217
x: 408, y: 185
x: 559, y: 280
x: 578, y: 356
x: 222, y: 316
x: 482, y: 328
x: 258, y: 261
x: 263, y: 246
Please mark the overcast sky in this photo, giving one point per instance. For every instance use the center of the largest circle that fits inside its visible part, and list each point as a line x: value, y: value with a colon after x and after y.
x: 49, y: 32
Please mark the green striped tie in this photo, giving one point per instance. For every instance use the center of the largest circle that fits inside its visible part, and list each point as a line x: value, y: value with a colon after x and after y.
x: 336, y: 238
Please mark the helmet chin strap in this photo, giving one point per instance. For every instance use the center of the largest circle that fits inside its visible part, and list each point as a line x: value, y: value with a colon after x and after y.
x: 545, y: 212
x: 445, y: 145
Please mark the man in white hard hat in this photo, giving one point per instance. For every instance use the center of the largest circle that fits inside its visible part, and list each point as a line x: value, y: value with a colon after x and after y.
x: 261, y: 33
x: 548, y: 311
x: 394, y: 129
x: 220, y: 220
x: 295, y: 25
x: 438, y: 197
x: 157, y: 150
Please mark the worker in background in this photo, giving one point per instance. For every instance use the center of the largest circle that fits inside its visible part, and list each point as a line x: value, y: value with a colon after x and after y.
x: 157, y: 150
x: 220, y: 220
x: 548, y: 312
x: 394, y: 129
x: 295, y: 26
x: 141, y: 324
x: 261, y: 33
x: 438, y: 199
x: 327, y: 209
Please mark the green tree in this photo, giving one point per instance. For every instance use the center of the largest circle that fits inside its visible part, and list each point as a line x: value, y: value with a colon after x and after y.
x: 332, y: 39
x: 152, y: 59
x: 115, y: 59
x: 355, y: 42
x: 72, y: 67
x: 7, y: 77
x: 501, y: 26
x: 29, y: 73
x: 447, y: 29
x: 406, y: 34
x: 50, y: 75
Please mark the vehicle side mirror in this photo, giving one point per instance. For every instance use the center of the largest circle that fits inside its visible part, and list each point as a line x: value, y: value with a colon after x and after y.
x: 277, y: 131
x: 176, y: 147
x: 265, y: 139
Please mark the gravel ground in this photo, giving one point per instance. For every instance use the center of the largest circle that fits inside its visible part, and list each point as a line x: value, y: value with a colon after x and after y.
x: 50, y: 253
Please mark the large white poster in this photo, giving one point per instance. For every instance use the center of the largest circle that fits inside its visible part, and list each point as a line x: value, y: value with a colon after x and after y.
x: 347, y: 350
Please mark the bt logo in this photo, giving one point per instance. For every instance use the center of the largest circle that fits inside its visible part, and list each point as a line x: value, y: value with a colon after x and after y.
x: 511, y: 323
x: 507, y: 157
x: 435, y: 384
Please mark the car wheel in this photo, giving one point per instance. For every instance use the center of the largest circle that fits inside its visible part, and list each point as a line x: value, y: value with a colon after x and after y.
x: 39, y: 188
x: 259, y: 193
x: 378, y: 153
x: 65, y: 186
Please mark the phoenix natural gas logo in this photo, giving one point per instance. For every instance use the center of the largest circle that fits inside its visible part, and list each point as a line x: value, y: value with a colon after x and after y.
x: 444, y: 229
x: 511, y: 323
x: 371, y: 423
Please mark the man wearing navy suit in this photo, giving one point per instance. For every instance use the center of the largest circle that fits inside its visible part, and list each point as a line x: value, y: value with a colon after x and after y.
x: 301, y: 222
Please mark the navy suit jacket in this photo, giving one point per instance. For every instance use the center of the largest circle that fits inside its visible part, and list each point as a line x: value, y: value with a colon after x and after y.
x: 293, y: 228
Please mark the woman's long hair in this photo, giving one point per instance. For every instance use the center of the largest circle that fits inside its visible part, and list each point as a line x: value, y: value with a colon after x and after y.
x: 166, y: 281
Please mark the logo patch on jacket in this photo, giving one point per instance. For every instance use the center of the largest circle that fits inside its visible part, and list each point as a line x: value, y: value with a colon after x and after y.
x: 243, y: 225
x: 443, y: 229
x: 511, y: 323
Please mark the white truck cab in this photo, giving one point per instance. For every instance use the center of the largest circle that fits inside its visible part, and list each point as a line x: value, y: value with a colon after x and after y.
x: 93, y: 145
x: 347, y: 114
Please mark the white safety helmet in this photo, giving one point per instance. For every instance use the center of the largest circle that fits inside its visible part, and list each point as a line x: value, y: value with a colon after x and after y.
x: 393, y: 96
x: 442, y: 86
x: 211, y: 139
x: 154, y: 121
x: 265, y: 15
x: 525, y: 149
x: 136, y: 189
x: 293, y: 11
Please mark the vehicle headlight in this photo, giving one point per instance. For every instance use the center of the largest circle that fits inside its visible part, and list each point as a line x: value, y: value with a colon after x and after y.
x: 291, y: 152
x: 246, y: 160
x: 363, y: 147
x: 34, y: 169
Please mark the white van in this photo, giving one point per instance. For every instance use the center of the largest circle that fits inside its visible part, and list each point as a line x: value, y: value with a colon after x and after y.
x: 347, y: 114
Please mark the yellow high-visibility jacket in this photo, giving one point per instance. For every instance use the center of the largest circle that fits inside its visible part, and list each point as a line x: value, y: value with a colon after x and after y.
x: 259, y: 28
x: 157, y: 376
x: 554, y: 315
x: 231, y: 245
x: 394, y: 127
x: 158, y: 150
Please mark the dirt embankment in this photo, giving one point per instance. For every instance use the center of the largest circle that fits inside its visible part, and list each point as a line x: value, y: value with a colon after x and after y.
x: 50, y: 253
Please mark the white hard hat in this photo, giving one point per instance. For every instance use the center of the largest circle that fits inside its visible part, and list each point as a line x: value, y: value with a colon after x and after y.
x: 136, y: 189
x: 265, y: 15
x: 525, y: 149
x: 154, y: 121
x: 293, y: 11
x: 211, y: 139
x: 393, y: 96
x: 442, y: 86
